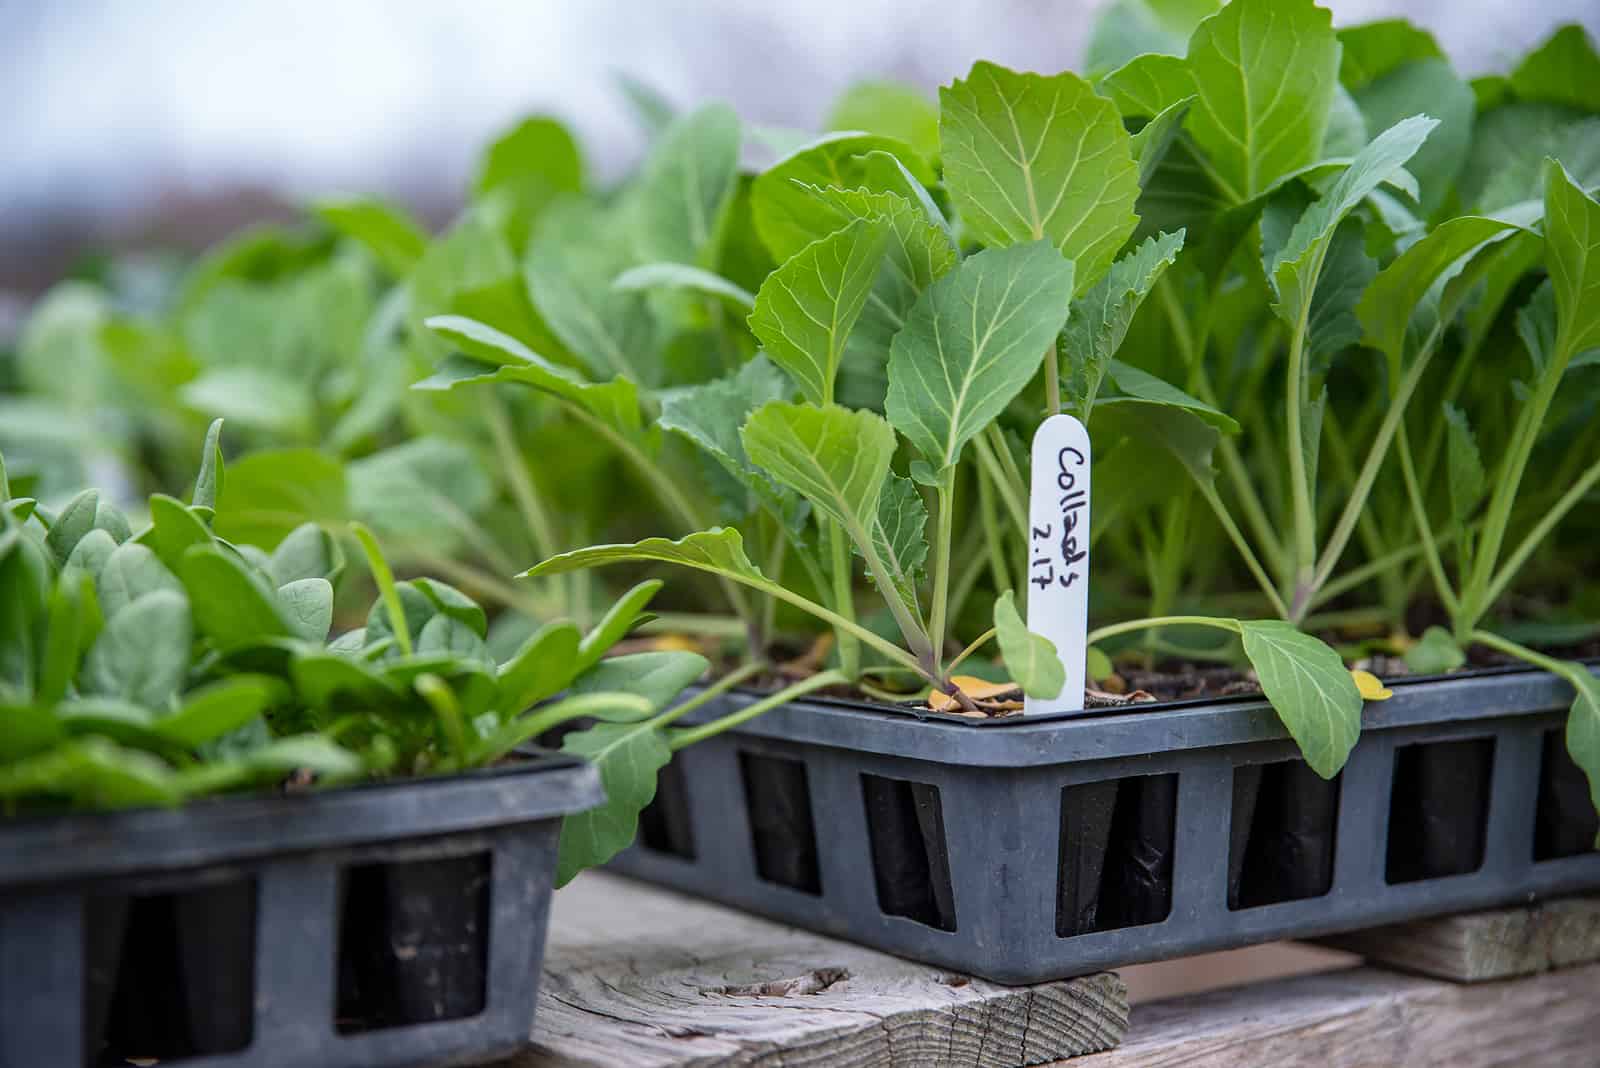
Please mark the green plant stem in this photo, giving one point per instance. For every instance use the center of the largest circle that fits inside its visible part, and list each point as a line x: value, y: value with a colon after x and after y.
x: 535, y: 723
x: 941, y: 566
x: 447, y: 710
x: 384, y: 577
x: 1244, y: 491
x: 777, y: 553
x: 1100, y: 634
x: 1052, y: 379
x: 993, y: 542
x: 1209, y: 494
x: 1012, y: 493
x: 520, y: 479
x: 1378, y: 565
x: 1419, y: 515
x: 1540, y: 531
x: 1521, y: 652
x: 1305, y: 535
x: 683, y: 738
x: 966, y: 579
x: 977, y: 643
x: 711, y: 626
x: 844, y: 599
x: 711, y: 692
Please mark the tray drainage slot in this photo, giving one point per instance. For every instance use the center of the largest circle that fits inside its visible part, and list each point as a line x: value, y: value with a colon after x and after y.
x: 1114, y: 868
x: 1566, y: 823
x: 413, y: 942
x: 910, y: 857
x: 1438, y: 809
x: 169, y: 976
x: 1283, y: 833
x: 778, y: 798
x: 664, y: 825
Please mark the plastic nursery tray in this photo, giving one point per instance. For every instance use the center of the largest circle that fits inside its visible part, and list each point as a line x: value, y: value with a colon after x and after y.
x: 1022, y: 850
x: 376, y: 925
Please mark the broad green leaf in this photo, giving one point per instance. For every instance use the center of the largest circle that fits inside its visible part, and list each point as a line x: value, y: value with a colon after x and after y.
x: 806, y: 308
x: 1310, y: 689
x: 835, y: 457
x: 536, y: 150
x: 425, y: 492
x: 130, y: 572
x: 900, y: 536
x: 628, y: 757
x: 1296, y: 268
x: 786, y: 214
x: 666, y: 275
x: 498, y: 357
x: 307, y: 606
x: 657, y: 676
x: 1134, y: 384
x: 260, y: 398
x: 1393, y: 302
x: 25, y: 730
x: 1100, y: 318
x: 1149, y: 85
x: 142, y: 654
x: 1583, y: 727
x: 1028, y: 157
x: 307, y: 551
x: 1563, y: 70
x: 74, y: 521
x: 446, y: 636
x: 89, y: 556
x: 338, y: 685
x: 890, y: 110
x: 1373, y: 49
x: 472, y: 271
x: 218, y: 709
x: 449, y: 601
x: 231, y: 604
x: 1347, y: 271
x: 677, y: 200
x: 1265, y: 71
x: 619, y: 619
x: 1178, y: 431
x: 711, y: 415
x: 25, y: 577
x: 972, y: 342
x: 1537, y: 325
x: 272, y: 492
x: 1346, y: 133
x: 94, y: 773
x: 1435, y: 653
x: 173, y: 528
x: 1510, y: 144
x: 1155, y: 138
x: 1434, y: 86
x: 1463, y: 465
x: 1030, y: 658
x: 71, y: 624
x: 1572, y: 255
x: 386, y: 229
x: 718, y: 551
x: 570, y: 266
x: 541, y: 668
x: 1125, y: 29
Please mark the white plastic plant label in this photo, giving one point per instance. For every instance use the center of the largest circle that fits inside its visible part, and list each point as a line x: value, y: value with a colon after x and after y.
x: 1058, y: 552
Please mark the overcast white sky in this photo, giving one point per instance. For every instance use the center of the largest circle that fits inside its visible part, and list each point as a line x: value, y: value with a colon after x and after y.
x: 102, y: 102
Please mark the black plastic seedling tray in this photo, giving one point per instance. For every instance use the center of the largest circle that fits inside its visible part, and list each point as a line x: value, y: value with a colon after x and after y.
x: 377, y: 925
x: 1022, y: 850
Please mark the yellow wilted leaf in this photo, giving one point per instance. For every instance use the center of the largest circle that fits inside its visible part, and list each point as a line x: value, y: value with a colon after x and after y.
x: 974, y: 687
x: 1371, y: 688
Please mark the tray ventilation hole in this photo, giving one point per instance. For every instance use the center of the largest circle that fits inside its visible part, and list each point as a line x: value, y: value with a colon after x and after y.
x: 778, y: 798
x: 910, y: 857
x: 1439, y: 809
x: 1114, y: 865
x: 1283, y: 834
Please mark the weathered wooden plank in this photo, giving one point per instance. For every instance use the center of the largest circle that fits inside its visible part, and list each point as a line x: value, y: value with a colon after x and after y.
x: 1367, y: 1017
x: 639, y: 977
x: 1479, y: 946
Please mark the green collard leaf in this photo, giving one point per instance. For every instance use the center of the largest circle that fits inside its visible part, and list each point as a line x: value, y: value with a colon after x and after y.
x: 1347, y: 271
x: 307, y: 606
x: 232, y: 605
x: 1434, y: 85
x: 649, y: 276
x: 1583, y: 726
x: 1373, y: 49
x: 834, y: 457
x: 1435, y: 653
x: 1179, y: 432
x: 1100, y: 318
x: 536, y: 151
x: 615, y: 624
x: 1510, y: 144
x: 658, y: 677
x: 806, y: 309
x: 544, y: 666
x: 1265, y: 72
x: 1136, y: 384
x: 1150, y: 85
x: 972, y: 342
x: 1310, y: 689
x: 1030, y: 658
x: 387, y: 230
x: 1125, y: 29
x: 786, y: 214
x: 1296, y: 268
x: 1029, y: 158
x: 1572, y: 256
x: 142, y: 654
x: 269, y: 494
x: 208, y: 484
x: 718, y: 551
x: 425, y: 492
x: 260, y: 398
x: 494, y: 356
x: 130, y: 572
x: 684, y: 187
x: 711, y: 415
x: 1347, y: 127
x: 1394, y: 303
x: 1155, y: 138
x: 628, y: 757
x: 1564, y: 70
x: 889, y: 110
x: 900, y: 536
x: 1468, y: 484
